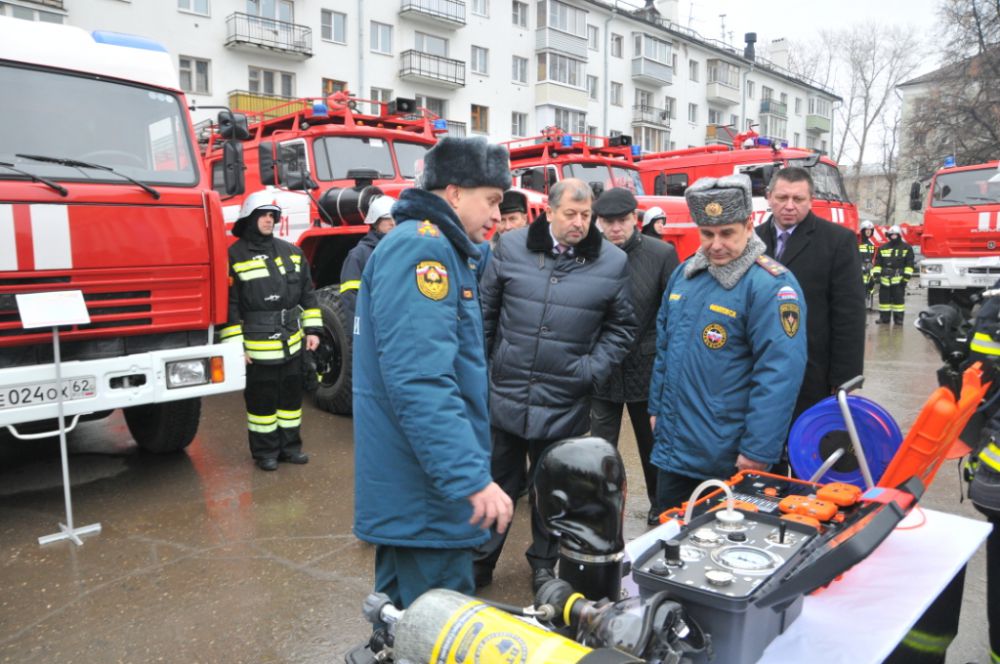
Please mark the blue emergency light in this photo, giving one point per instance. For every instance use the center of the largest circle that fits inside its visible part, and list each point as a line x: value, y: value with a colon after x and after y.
x: 567, y: 141
x: 949, y: 161
x: 441, y: 124
x: 763, y: 142
x: 636, y: 150
x: 320, y: 110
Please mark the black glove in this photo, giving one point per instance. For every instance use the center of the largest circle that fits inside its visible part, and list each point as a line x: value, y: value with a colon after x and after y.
x: 310, y: 379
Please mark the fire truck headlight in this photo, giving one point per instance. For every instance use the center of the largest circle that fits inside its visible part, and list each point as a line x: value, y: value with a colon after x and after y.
x: 933, y: 268
x: 185, y: 373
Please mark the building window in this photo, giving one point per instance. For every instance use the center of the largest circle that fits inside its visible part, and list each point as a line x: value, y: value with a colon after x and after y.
x: 481, y: 7
x: 593, y: 139
x: 480, y: 119
x: 560, y: 69
x: 432, y: 44
x: 519, y: 12
x: 593, y: 37
x: 438, y: 107
x: 750, y: 89
x: 27, y: 14
x: 617, y: 43
x: 480, y: 63
x: 519, y: 69
x: 333, y: 86
x: 643, y: 99
x: 592, y: 87
x: 714, y: 117
x: 670, y: 106
x: 766, y: 92
x: 651, y: 139
x: 574, y: 122
x: 773, y: 127
x: 784, y: 99
x: 333, y: 26
x: 280, y: 10
x: 379, y: 95
x: 692, y: 112
x: 693, y: 70
x: 381, y: 38
x: 270, y: 82
x: 796, y: 140
x: 616, y: 94
x: 518, y: 124
x: 651, y: 47
x: 193, y: 75
x: 819, y: 106
x: 565, y: 18
x: 723, y: 72
x: 798, y: 106
x: 193, y: 6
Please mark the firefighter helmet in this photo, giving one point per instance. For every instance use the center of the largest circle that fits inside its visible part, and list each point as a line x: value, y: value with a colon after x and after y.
x: 894, y: 230
x: 651, y: 215
x: 378, y: 208
x: 867, y: 225
x: 262, y: 200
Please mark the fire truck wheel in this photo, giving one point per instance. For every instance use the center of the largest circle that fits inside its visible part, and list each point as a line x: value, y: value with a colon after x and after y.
x: 162, y: 428
x: 333, y: 357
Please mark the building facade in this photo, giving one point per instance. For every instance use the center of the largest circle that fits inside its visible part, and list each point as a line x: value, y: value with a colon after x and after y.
x: 502, y: 68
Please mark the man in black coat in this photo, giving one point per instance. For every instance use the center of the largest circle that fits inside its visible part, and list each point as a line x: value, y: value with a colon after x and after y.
x: 557, y: 318
x: 824, y: 258
x: 651, y: 261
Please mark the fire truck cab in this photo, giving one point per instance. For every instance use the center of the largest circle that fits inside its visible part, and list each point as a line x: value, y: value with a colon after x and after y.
x: 325, y: 160
x: 538, y: 162
x: 102, y: 191
x: 960, y: 236
x: 670, y: 173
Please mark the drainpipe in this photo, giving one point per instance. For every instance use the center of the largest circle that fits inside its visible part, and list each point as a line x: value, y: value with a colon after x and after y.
x: 361, y: 50
x: 748, y: 52
x: 607, y: 64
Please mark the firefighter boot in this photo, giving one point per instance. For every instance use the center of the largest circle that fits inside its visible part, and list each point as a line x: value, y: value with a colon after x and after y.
x: 897, y: 318
x: 884, y: 318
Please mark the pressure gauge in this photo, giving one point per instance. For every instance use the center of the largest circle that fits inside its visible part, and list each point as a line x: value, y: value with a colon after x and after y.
x: 690, y: 554
x: 748, y: 559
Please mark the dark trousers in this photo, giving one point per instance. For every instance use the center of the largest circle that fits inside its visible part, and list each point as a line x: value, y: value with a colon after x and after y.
x: 507, y: 466
x: 273, y: 396
x: 673, y: 489
x: 891, y: 301
x: 993, y: 586
x: 928, y: 640
x: 405, y: 573
x: 606, y: 423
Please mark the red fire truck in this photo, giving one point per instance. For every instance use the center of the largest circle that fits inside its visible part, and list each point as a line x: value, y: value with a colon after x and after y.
x: 670, y: 173
x: 540, y: 161
x: 101, y: 191
x: 325, y: 159
x: 960, y: 236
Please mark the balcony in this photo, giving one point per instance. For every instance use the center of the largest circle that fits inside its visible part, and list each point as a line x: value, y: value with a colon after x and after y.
x: 246, y: 32
x: 456, y: 129
x: 651, y: 72
x: 773, y: 107
x: 717, y: 135
x: 54, y: 4
x: 433, y: 69
x: 269, y: 106
x: 817, y: 124
x: 722, y: 93
x: 650, y: 115
x: 447, y: 14
x: 547, y: 39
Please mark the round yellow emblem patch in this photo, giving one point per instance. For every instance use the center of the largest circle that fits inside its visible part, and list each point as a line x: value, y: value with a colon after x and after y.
x: 432, y: 280
x: 713, y: 209
x: 714, y: 336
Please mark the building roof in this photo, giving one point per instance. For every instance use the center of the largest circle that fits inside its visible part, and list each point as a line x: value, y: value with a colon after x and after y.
x: 949, y: 71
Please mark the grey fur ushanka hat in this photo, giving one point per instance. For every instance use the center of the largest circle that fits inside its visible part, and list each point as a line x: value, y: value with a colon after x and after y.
x: 466, y: 162
x: 719, y: 201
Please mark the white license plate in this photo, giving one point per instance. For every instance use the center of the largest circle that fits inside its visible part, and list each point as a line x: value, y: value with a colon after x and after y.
x: 984, y: 281
x: 33, y: 394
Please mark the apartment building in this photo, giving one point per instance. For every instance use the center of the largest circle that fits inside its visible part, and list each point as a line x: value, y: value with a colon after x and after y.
x: 502, y: 68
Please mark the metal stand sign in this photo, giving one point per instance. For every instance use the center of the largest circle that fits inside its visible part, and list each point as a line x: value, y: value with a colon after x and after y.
x: 52, y: 310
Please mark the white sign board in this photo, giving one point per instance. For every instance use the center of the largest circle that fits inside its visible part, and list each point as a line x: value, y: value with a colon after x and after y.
x: 52, y: 309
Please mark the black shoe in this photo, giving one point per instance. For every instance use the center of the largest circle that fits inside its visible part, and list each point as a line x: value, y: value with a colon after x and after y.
x: 294, y: 457
x: 653, y: 518
x: 882, y: 322
x: 540, y: 576
x: 267, y: 464
x: 482, y: 575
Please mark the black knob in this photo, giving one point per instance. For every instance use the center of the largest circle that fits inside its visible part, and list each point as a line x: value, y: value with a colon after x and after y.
x: 659, y: 568
x: 672, y: 552
x: 737, y: 537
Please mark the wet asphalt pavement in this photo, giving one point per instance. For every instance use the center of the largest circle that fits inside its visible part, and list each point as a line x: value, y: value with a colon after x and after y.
x: 203, y: 558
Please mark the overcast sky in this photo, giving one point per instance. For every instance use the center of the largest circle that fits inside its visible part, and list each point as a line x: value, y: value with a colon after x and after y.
x: 799, y: 19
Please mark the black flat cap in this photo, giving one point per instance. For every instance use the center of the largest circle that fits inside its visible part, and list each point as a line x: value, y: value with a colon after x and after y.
x: 513, y: 201
x: 614, y: 203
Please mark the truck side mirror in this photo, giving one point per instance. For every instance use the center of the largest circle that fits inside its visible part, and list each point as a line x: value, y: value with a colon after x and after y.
x: 915, y: 202
x: 233, y: 126
x: 265, y: 158
x: 232, y: 168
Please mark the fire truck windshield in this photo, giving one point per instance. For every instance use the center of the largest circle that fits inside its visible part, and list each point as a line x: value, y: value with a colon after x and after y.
x: 966, y: 188
x: 827, y: 183
x: 137, y: 131
x: 336, y: 155
x: 605, y: 176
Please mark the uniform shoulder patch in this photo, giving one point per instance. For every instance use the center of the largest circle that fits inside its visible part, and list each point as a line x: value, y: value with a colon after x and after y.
x: 432, y: 280
x: 427, y: 229
x: 771, y: 265
x: 790, y: 316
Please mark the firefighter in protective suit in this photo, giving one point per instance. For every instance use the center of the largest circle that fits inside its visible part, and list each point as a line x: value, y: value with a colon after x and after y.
x: 866, y: 247
x: 272, y: 312
x: 893, y: 268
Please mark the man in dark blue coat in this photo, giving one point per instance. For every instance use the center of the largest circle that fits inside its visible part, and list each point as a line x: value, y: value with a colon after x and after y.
x: 423, y: 490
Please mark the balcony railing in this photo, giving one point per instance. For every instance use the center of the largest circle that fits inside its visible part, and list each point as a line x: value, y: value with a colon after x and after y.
x: 817, y: 124
x: 717, y: 135
x: 650, y: 115
x: 446, y: 13
x: 651, y: 72
x: 719, y: 92
x: 773, y: 107
x: 270, y: 106
x: 456, y: 129
x: 267, y: 33
x: 54, y: 4
x: 432, y: 69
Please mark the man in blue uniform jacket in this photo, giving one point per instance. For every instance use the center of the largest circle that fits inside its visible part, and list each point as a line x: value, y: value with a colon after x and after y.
x: 731, y: 352
x: 423, y: 493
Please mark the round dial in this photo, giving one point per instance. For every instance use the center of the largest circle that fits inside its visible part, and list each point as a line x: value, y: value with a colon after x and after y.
x: 706, y: 537
x: 718, y: 577
x: 690, y: 554
x: 747, y: 559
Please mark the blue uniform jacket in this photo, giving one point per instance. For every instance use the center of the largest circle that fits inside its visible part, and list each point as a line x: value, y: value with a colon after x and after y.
x: 421, y: 427
x: 728, y: 368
